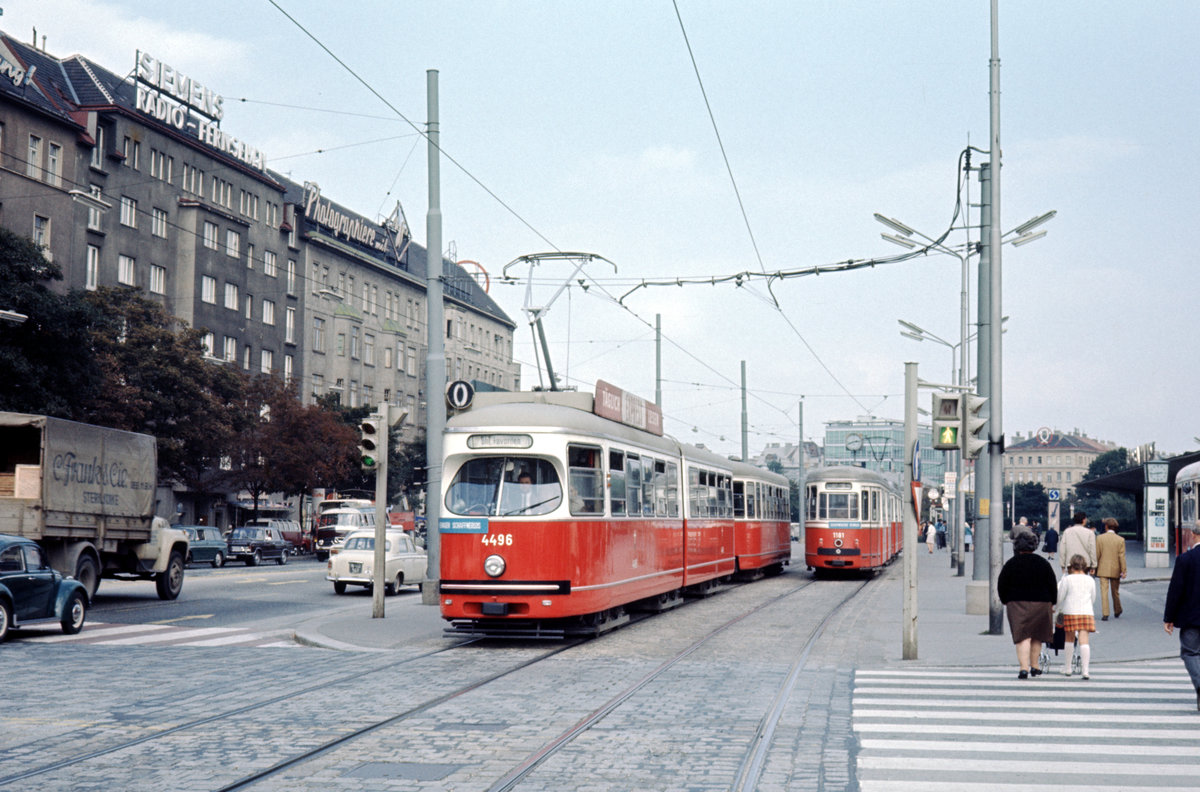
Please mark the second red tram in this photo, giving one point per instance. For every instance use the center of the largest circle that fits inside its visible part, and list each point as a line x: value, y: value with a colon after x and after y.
x: 852, y: 519
x: 558, y: 518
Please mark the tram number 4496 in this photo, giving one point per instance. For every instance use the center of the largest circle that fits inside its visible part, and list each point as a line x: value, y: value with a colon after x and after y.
x: 497, y: 540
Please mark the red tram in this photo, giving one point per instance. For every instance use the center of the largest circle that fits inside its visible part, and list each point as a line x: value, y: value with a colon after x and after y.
x: 852, y: 521
x: 564, y: 511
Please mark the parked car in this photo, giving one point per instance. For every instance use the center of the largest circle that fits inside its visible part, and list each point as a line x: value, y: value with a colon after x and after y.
x: 289, y: 529
x: 33, y: 593
x: 354, y: 563
x: 255, y: 544
x: 206, y: 544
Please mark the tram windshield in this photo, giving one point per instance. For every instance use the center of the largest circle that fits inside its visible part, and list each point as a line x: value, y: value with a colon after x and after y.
x: 505, y: 486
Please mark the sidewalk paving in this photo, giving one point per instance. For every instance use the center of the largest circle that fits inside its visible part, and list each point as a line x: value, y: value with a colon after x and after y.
x: 947, y: 635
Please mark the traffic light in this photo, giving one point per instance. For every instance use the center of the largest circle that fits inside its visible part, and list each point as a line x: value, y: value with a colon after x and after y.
x: 974, y: 435
x: 947, y: 421
x: 370, y: 446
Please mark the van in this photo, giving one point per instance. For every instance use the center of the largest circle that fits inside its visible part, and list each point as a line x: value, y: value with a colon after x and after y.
x: 288, y: 529
x: 334, y: 525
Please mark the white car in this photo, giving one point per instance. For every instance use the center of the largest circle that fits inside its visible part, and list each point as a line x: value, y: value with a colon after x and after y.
x: 355, y: 563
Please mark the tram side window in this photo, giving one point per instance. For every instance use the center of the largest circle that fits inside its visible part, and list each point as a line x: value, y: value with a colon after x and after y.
x: 866, y: 505
x: 694, y: 499
x: 616, y: 482
x: 739, y: 499
x: 586, y: 479
x: 633, y: 484
x: 660, y: 488
x: 875, y: 505
x: 648, y: 485
x: 811, y: 503
x: 672, y: 489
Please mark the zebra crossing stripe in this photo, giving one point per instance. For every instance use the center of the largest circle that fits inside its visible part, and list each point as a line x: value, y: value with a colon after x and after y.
x: 101, y: 634
x: 1131, y: 727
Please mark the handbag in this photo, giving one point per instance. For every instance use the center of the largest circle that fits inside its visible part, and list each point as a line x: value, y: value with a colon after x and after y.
x: 1060, y: 638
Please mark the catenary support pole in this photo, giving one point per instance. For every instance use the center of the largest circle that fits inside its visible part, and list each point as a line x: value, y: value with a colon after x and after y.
x: 995, y: 447
x: 435, y: 366
x: 381, y: 504
x: 908, y: 620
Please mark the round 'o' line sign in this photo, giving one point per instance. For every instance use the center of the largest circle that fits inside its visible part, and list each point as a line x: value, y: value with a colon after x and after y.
x: 459, y: 394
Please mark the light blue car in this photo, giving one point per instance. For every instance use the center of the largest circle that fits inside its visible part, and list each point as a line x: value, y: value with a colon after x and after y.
x: 32, y: 593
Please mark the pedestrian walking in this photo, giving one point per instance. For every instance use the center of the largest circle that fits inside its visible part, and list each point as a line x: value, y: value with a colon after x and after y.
x: 1022, y: 526
x: 1051, y: 546
x: 940, y: 527
x: 1077, y: 606
x: 968, y: 535
x: 1110, y: 567
x: 1182, y: 609
x: 1027, y: 588
x: 930, y: 536
x: 1078, y: 540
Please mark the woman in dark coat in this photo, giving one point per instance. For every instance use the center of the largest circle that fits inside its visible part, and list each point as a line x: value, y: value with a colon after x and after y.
x: 1028, y: 588
x: 1051, y: 546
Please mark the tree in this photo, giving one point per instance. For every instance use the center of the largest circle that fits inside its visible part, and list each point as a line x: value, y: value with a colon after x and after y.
x: 1031, y: 501
x: 1110, y: 462
x: 407, y: 473
x: 157, y: 380
x: 46, y: 362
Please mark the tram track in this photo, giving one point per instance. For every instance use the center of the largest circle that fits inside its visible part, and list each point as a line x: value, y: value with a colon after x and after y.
x: 347, y: 732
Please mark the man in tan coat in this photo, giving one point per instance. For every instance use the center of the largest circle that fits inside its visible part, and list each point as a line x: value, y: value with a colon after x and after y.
x: 1110, y: 566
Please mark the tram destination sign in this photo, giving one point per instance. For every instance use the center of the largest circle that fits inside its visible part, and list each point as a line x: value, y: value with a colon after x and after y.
x: 617, y: 405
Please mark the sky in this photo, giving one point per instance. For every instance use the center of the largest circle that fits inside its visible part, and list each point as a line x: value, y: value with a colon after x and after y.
x: 583, y: 126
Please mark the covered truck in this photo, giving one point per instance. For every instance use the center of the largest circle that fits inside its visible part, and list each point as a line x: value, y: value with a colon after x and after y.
x: 86, y: 494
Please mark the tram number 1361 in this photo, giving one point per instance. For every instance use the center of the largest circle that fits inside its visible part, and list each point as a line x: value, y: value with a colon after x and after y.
x: 497, y: 540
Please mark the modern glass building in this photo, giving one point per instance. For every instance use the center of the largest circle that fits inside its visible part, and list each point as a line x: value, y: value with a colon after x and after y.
x: 878, y: 444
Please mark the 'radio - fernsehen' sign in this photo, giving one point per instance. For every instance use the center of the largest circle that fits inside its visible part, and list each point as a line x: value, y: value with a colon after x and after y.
x: 617, y: 405
x: 171, y: 97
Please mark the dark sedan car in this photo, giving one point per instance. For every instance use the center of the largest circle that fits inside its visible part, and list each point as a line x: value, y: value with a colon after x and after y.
x: 33, y: 593
x: 206, y: 544
x: 254, y: 545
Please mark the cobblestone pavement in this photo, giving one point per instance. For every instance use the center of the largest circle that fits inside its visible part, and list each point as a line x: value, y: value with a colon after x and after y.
x: 688, y: 729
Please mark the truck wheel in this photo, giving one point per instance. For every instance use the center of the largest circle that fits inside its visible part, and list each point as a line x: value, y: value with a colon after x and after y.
x: 88, y: 573
x: 255, y: 559
x: 218, y: 560
x: 74, y: 613
x: 5, y: 619
x: 169, y: 582
x: 283, y: 558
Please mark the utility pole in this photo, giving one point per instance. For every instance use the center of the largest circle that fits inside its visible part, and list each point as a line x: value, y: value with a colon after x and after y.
x: 658, y: 359
x: 381, y: 504
x: 745, y: 418
x: 435, y: 366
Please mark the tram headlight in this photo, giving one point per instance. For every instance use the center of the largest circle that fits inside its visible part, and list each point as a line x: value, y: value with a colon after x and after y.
x: 494, y: 566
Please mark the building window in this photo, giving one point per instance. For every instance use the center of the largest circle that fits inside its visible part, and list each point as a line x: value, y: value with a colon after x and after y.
x: 268, y: 312
x: 41, y: 231
x: 33, y: 166
x: 249, y: 257
x: 210, y: 235
x: 387, y: 357
x: 270, y: 268
x: 267, y: 361
x: 98, y: 151
x: 158, y: 224
x: 291, y: 276
x: 318, y: 334
x: 249, y: 306
x: 54, y: 164
x: 233, y: 243
x: 230, y: 349
x: 158, y: 279
x: 289, y: 325
x: 208, y: 289
x: 341, y: 345
x: 125, y: 273
x: 93, y: 213
x: 411, y: 362
x: 289, y: 367
x: 368, y: 349
x: 209, y: 341
x: 92, y: 275
x: 231, y: 296
x: 128, y: 211
x: 246, y: 357
x: 355, y: 352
